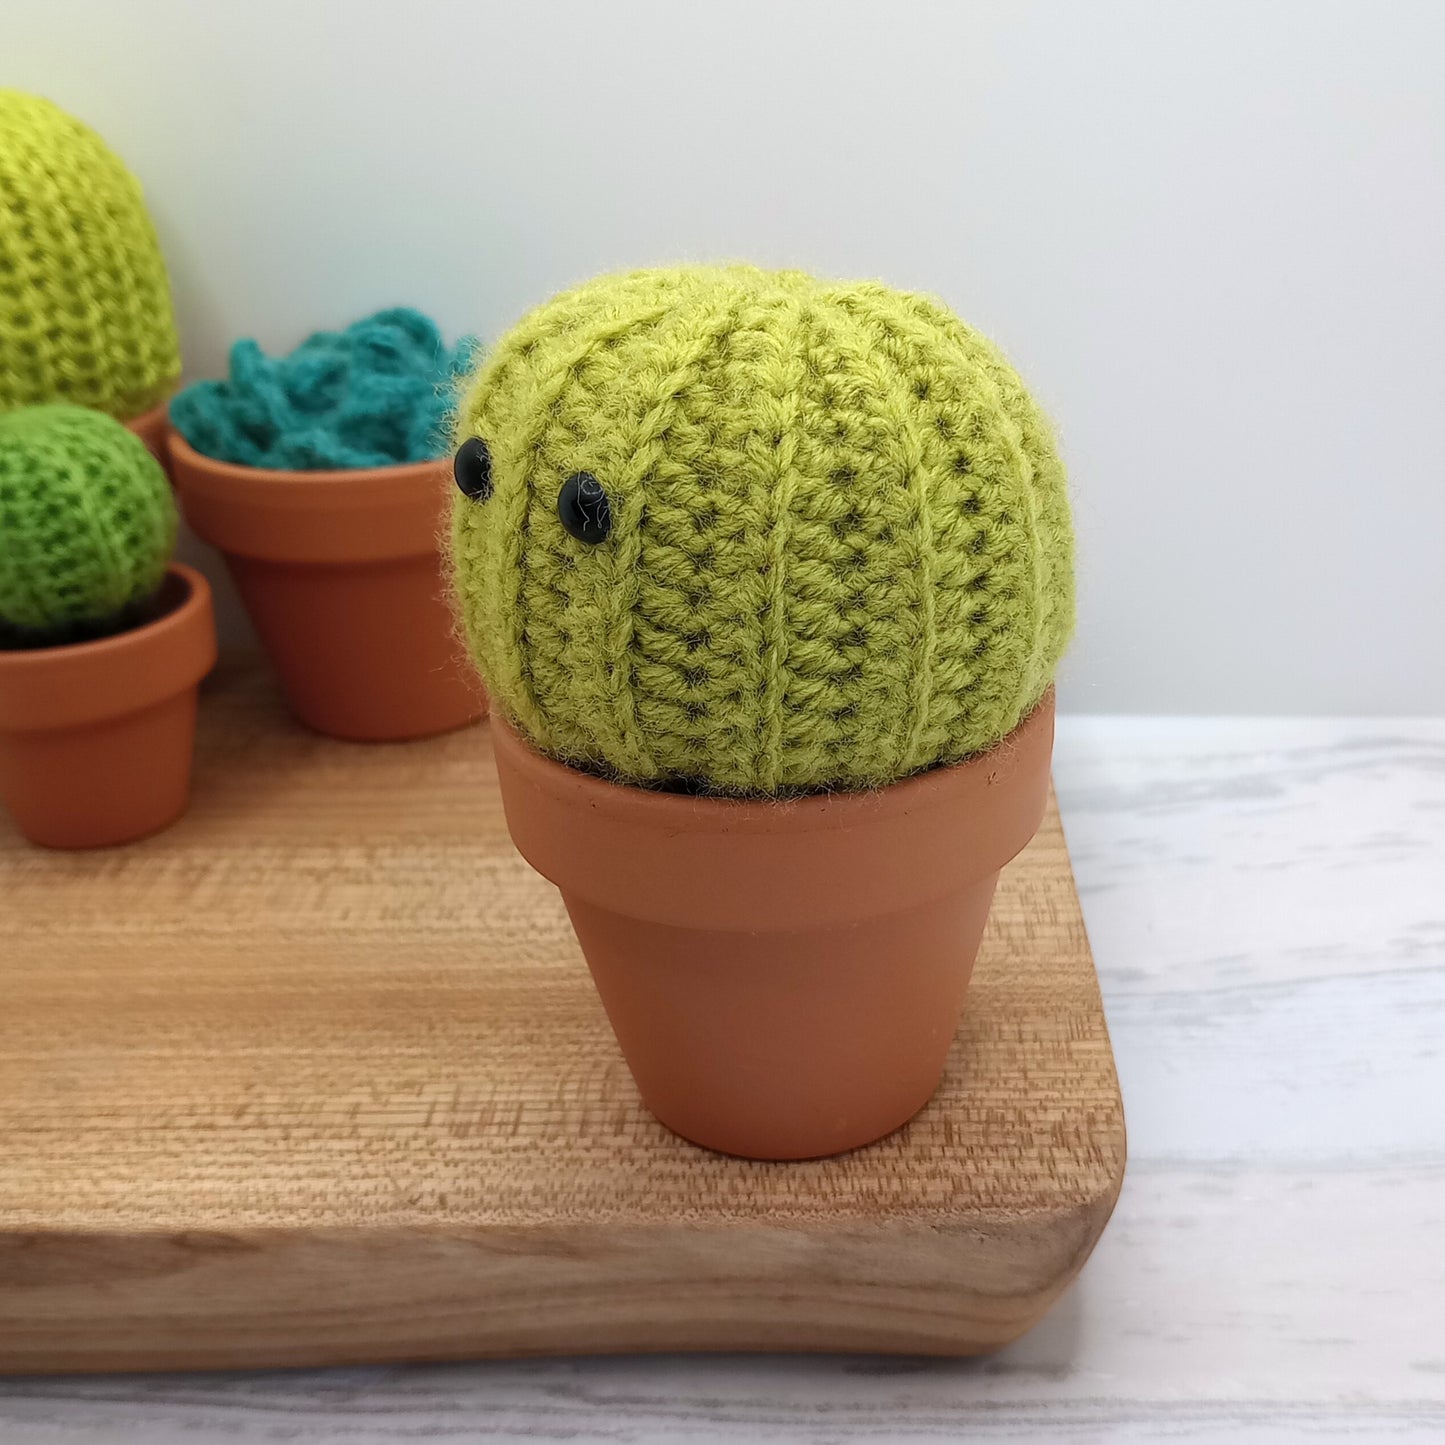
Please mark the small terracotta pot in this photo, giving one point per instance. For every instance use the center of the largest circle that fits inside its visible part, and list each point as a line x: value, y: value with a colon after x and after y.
x: 96, y: 737
x: 151, y: 427
x: 341, y: 573
x: 785, y: 978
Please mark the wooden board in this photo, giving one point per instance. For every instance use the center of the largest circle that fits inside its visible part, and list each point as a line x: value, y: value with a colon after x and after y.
x: 319, y: 1076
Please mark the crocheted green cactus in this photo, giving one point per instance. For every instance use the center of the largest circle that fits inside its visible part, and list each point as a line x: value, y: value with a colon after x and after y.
x: 87, y: 524
x: 85, y: 305
x: 755, y: 533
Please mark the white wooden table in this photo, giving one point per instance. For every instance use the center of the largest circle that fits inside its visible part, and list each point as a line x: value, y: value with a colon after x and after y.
x: 1266, y: 900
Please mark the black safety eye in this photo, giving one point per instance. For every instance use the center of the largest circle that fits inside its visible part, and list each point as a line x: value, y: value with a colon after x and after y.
x: 472, y: 467
x: 583, y: 508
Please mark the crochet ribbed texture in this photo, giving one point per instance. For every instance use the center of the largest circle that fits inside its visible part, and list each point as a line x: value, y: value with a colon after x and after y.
x: 87, y: 524
x: 85, y: 305
x: 374, y: 395
x: 839, y: 549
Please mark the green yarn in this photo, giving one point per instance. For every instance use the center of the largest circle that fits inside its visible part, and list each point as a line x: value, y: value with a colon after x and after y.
x: 85, y: 305
x: 87, y: 525
x: 840, y: 546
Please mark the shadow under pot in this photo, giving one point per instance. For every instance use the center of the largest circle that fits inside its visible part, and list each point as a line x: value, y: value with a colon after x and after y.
x: 341, y: 574
x: 96, y: 738
x: 784, y: 978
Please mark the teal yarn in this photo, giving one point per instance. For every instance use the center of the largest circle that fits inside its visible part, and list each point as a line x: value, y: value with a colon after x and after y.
x: 377, y: 394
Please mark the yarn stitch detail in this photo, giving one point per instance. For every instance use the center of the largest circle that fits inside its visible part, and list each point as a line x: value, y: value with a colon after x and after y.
x: 841, y: 548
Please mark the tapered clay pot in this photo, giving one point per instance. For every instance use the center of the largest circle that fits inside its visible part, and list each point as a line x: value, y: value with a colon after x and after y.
x: 151, y: 427
x: 785, y: 978
x: 341, y: 573
x: 96, y: 737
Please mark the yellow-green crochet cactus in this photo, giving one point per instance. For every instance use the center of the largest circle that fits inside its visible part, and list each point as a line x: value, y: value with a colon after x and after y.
x: 755, y: 533
x: 85, y: 304
x: 87, y: 525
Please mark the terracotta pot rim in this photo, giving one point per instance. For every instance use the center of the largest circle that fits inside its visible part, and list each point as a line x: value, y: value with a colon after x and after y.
x: 153, y: 416
x: 819, y: 861
x: 804, y: 812
x: 332, y: 518
x: 196, y: 596
x: 78, y: 682
x: 323, y: 481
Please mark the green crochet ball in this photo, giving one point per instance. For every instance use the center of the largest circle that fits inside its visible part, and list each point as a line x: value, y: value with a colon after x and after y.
x: 755, y: 533
x: 85, y: 305
x: 87, y: 525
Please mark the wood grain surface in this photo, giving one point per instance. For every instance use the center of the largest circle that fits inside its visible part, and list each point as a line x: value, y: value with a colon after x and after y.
x: 1264, y: 898
x: 318, y: 1076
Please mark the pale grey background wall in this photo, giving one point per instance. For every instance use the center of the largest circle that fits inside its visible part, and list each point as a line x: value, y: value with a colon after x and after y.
x: 1212, y: 235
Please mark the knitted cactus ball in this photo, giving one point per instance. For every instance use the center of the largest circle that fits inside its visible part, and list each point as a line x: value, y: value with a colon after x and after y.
x: 85, y: 305
x: 755, y: 533
x: 377, y: 394
x: 87, y: 524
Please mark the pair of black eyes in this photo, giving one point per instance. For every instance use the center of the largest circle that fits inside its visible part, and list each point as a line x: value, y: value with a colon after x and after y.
x: 582, y: 505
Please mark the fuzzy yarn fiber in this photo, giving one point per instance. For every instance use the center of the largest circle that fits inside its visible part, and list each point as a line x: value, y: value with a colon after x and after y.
x: 840, y: 547
x: 85, y: 304
x: 87, y: 523
x: 374, y: 395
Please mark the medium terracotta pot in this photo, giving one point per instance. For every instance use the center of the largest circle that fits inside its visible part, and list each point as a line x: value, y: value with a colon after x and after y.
x: 785, y: 978
x: 96, y: 737
x: 341, y: 573
x: 151, y: 427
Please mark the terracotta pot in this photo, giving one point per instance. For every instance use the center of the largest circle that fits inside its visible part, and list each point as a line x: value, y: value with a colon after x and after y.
x: 785, y: 978
x: 151, y: 427
x: 341, y: 573
x: 96, y: 737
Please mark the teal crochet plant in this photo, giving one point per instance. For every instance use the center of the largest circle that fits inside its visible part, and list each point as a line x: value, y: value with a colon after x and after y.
x: 374, y: 395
